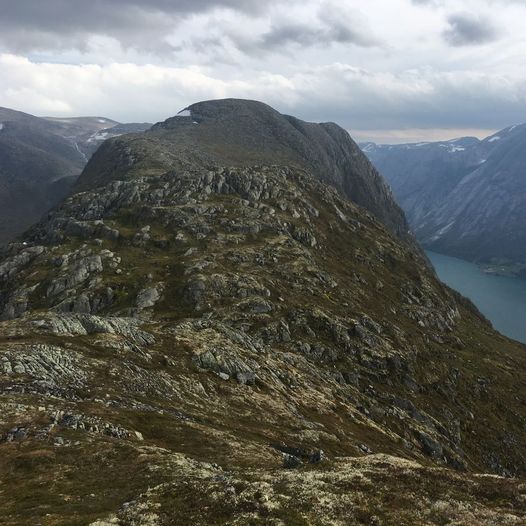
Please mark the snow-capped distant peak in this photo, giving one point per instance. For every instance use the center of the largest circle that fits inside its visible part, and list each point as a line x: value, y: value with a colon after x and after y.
x: 369, y: 147
x: 99, y: 136
x: 452, y: 148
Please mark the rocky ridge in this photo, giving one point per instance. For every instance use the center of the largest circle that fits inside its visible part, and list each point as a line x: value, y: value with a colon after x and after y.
x: 243, y: 344
x: 233, y: 132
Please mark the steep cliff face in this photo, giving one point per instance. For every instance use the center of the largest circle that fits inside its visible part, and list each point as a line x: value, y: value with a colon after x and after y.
x: 244, y: 344
x: 464, y: 197
x: 244, y: 133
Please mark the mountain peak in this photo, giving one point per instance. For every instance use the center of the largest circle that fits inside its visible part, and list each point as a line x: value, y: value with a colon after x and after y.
x: 240, y: 132
x: 221, y: 109
x: 464, y: 197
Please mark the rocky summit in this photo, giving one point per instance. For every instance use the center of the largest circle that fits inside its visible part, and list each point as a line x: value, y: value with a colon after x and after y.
x: 220, y: 326
x: 235, y: 132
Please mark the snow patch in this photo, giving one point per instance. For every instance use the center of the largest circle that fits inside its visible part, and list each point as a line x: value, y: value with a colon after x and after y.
x: 80, y: 151
x: 416, y: 145
x: 99, y: 136
x: 452, y: 148
x: 369, y: 148
x: 102, y: 121
x: 493, y: 139
x: 442, y: 231
x: 184, y: 113
x: 445, y: 229
x: 341, y: 215
x: 1, y: 125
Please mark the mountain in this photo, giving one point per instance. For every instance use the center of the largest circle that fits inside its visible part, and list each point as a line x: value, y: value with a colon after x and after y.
x: 88, y: 133
x: 190, y: 338
x: 39, y: 161
x: 464, y: 197
x: 37, y: 167
x: 246, y: 133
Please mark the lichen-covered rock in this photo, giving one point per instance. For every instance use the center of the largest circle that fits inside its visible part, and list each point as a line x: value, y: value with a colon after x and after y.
x: 9, y: 267
x: 148, y: 297
x: 83, y: 324
x: 46, y: 364
x: 79, y: 272
x: 219, y: 361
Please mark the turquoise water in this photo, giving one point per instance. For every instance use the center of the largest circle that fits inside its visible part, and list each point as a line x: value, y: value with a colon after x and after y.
x: 502, y: 300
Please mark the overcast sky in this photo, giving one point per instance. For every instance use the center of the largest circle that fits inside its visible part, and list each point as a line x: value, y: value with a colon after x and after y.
x: 386, y: 70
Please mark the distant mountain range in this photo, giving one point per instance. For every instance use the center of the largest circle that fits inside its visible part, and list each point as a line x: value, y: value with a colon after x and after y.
x: 464, y: 197
x: 40, y: 158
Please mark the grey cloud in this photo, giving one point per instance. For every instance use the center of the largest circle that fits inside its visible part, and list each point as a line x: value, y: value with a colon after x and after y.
x: 306, y: 35
x: 467, y: 29
x: 346, y: 26
x: 57, y: 24
x: 287, y: 33
x: 334, y: 25
x: 361, y: 99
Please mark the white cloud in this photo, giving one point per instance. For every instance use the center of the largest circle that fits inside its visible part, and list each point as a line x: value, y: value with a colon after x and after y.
x: 354, y: 97
x: 374, y: 66
x: 124, y: 91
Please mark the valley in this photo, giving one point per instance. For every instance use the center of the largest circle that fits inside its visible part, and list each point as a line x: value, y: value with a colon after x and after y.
x: 465, y: 197
x: 40, y: 159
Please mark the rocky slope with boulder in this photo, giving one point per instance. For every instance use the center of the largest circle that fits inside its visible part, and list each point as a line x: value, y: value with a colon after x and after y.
x: 195, y: 343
